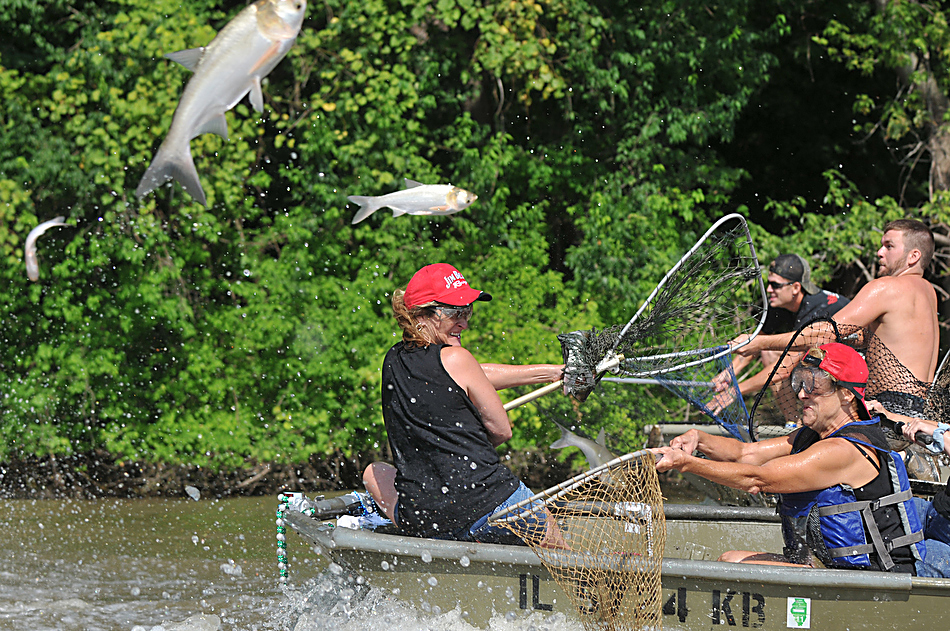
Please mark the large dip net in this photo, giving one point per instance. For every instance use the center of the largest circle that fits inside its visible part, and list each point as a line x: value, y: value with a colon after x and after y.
x: 711, y: 296
x: 601, y: 535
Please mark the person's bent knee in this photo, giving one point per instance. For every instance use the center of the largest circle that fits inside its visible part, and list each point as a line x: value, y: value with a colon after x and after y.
x: 368, y: 474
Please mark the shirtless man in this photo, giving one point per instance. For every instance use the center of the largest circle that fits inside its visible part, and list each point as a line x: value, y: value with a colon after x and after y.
x: 899, y: 306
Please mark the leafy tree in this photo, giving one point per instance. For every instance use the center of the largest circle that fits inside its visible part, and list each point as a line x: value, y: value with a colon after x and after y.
x: 602, y: 138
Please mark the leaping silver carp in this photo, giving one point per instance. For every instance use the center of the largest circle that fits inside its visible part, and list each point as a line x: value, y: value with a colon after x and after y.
x: 595, y: 452
x: 29, y: 249
x: 233, y: 64
x: 416, y: 199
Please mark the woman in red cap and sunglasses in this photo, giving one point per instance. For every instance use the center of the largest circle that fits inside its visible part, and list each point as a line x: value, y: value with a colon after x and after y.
x: 844, y: 495
x: 444, y: 417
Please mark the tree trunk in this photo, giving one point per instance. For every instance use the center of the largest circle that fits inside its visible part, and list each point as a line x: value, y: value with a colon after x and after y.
x: 937, y: 140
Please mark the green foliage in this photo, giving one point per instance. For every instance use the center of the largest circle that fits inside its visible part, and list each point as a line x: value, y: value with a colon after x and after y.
x: 254, y: 329
x: 911, y: 40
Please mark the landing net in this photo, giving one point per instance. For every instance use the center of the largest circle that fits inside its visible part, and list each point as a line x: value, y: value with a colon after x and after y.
x: 601, y: 535
x: 711, y: 387
x: 712, y: 295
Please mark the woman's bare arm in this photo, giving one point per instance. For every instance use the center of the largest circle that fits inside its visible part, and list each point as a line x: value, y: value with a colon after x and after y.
x: 504, y: 376
x: 468, y: 374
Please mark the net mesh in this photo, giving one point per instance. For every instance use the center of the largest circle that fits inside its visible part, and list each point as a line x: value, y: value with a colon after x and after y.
x: 711, y: 296
x: 777, y: 410
x: 602, y: 539
x: 714, y: 295
x: 711, y: 387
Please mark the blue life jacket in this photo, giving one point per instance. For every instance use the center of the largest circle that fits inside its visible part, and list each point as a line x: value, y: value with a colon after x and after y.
x: 845, y: 531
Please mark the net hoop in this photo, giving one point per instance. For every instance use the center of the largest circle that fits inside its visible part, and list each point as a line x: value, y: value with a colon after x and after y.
x: 545, y: 497
x: 712, y: 229
x: 659, y: 382
x: 716, y: 353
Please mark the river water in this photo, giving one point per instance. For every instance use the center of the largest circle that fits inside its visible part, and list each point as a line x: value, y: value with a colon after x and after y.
x: 183, y: 565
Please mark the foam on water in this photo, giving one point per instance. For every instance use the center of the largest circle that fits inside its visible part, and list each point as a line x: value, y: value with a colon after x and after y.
x: 166, y: 565
x: 330, y: 603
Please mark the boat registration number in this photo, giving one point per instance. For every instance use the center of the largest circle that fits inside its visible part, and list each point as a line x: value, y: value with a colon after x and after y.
x: 726, y: 607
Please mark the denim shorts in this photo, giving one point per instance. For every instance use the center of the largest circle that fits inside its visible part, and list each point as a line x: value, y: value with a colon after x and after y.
x: 483, y: 532
x: 937, y: 539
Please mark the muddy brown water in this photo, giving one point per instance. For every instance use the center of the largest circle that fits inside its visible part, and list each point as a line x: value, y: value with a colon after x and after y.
x: 160, y: 564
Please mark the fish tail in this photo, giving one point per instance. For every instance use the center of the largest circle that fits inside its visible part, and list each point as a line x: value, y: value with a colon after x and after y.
x: 172, y: 163
x: 367, y: 205
x: 563, y: 441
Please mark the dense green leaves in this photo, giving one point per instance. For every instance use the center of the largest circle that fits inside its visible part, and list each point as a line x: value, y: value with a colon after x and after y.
x: 596, y: 134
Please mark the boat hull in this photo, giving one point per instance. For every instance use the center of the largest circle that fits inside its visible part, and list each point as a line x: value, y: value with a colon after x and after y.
x: 483, y: 580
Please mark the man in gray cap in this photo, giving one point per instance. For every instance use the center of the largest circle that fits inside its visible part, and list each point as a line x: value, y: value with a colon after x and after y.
x: 794, y: 300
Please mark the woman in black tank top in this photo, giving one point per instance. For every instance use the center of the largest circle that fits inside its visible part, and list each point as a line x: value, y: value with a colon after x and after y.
x: 443, y: 415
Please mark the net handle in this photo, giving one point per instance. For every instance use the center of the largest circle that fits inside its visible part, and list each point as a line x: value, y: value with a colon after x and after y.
x: 610, y: 362
x: 551, y: 494
x: 672, y: 270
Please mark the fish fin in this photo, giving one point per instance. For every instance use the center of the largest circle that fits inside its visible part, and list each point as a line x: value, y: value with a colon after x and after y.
x: 257, y: 96
x: 216, y: 125
x: 434, y: 210
x: 29, y: 249
x: 413, y: 183
x: 367, y: 207
x: 172, y: 164
x: 601, y: 438
x: 398, y: 211
x: 268, y: 55
x: 189, y: 58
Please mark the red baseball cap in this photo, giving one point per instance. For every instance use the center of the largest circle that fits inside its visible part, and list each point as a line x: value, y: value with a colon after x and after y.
x: 441, y: 282
x: 849, y: 369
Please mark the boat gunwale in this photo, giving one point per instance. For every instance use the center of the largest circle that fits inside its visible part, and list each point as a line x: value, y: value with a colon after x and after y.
x: 333, y: 538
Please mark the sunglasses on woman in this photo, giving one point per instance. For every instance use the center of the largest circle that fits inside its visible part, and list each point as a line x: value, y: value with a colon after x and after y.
x: 456, y: 313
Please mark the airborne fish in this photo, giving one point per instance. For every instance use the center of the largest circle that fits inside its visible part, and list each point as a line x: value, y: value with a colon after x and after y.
x: 595, y: 452
x: 233, y: 64
x: 416, y: 199
x: 29, y: 250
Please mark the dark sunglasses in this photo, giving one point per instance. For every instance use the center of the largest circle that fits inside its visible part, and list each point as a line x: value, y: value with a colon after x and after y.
x: 776, y: 285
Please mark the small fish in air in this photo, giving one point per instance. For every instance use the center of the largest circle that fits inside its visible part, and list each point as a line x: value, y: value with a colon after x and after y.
x: 595, y: 452
x: 29, y: 250
x: 233, y: 64
x: 416, y: 199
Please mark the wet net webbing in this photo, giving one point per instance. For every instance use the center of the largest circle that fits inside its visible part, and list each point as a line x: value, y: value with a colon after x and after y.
x: 711, y: 387
x: 711, y: 296
x: 601, y: 535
